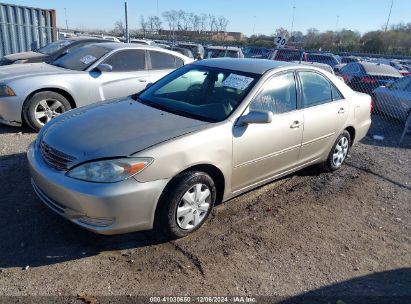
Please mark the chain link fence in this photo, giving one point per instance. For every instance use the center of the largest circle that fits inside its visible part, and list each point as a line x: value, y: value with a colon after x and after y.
x: 386, y: 79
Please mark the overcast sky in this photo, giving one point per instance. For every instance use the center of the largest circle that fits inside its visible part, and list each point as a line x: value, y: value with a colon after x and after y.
x: 247, y: 16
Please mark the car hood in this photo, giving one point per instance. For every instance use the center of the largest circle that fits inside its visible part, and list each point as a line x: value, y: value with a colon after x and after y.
x: 24, y: 55
x: 115, y: 128
x: 18, y: 71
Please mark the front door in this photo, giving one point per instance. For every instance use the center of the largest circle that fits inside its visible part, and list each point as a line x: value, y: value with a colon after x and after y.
x: 129, y: 75
x: 261, y: 151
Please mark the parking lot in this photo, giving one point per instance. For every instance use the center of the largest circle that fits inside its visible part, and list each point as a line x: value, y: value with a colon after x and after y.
x: 346, y: 233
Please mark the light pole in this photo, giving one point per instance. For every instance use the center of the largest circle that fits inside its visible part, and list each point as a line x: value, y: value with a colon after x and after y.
x: 65, y: 15
x: 336, y: 24
x: 126, y: 17
x: 292, y: 22
x: 389, y: 15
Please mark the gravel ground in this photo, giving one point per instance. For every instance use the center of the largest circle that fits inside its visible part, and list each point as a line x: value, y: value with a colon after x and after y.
x: 346, y: 233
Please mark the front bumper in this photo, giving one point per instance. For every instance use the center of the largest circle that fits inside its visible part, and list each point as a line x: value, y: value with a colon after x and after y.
x: 10, y: 110
x: 110, y: 208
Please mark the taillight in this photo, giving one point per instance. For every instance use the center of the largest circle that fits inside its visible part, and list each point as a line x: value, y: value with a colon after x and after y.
x: 368, y: 80
x: 371, y: 104
x: 345, y: 77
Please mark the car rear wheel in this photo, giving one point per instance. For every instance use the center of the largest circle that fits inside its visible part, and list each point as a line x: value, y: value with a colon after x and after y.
x: 43, y: 107
x: 338, y: 152
x: 186, y: 204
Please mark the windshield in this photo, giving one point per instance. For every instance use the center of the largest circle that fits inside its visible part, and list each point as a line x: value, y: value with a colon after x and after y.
x: 82, y: 58
x: 215, y: 53
x: 288, y: 55
x: 54, y: 47
x: 204, y: 93
x: 322, y: 59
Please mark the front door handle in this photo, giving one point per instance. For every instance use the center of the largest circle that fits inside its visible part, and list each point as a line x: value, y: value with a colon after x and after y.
x: 296, y: 124
x: 341, y: 111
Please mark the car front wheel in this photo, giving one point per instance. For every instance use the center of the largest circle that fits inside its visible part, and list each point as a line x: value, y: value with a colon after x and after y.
x: 187, y: 203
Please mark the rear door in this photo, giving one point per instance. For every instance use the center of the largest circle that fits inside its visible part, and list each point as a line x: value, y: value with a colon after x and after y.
x: 325, y: 113
x: 129, y: 74
x: 161, y: 64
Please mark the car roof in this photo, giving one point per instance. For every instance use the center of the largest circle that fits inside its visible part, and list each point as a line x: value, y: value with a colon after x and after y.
x: 229, y: 48
x: 379, y: 68
x: 77, y: 38
x: 248, y: 65
x: 120, y: 45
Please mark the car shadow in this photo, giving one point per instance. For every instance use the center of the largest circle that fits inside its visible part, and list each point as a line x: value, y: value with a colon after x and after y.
x: 387, y: 132
x: 4, y: 129
x: 392, y: 286
x: 33, y: 235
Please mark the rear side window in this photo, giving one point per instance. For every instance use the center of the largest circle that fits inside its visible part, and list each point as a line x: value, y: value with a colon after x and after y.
x: 127, y: 61
x: 288, y: 55
x: 316, y: 89
x: 160, y: 61
x: 279, y: 95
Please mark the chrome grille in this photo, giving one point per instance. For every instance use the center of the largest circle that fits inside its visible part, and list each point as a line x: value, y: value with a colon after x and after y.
x: 55, y: 158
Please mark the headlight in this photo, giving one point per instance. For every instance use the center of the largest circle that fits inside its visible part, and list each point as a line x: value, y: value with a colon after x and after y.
x: 6, y: 91
x: 109, y: 171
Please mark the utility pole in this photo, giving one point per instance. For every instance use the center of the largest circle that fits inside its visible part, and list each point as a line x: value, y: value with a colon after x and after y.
x: 292, y: 22
x: 336, y: 24
x: 389, y: 15
x: 126, y: 15
x: 65, y: 15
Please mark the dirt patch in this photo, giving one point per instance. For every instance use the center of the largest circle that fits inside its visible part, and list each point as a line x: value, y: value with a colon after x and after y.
x: 343, y: 233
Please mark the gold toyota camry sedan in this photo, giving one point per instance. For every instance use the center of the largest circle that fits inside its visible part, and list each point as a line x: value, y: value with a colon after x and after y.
x: 203, y: 134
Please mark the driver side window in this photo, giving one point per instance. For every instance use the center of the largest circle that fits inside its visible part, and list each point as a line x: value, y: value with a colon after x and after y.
x: 279, y: 95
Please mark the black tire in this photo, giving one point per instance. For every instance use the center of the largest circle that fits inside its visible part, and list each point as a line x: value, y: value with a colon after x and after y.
x: 330, y: 165
x: 29, y: 107
x: 172, y: 197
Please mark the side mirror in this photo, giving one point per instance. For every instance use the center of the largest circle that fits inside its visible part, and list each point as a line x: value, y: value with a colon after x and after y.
x: 104, y: 67
x: 149, y: 85
x: 256, y: 117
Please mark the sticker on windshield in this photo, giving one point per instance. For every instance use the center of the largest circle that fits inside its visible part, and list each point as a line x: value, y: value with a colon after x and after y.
x: 88, y: 59
x: 237, y: 81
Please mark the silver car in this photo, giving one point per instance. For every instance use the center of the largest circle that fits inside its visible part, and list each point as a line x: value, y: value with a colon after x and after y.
x: 394, y: 99
x: 203, y: 134
x: 36, y: 93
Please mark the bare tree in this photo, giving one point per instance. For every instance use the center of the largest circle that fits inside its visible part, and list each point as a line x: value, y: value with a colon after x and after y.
x: 181, y: 16
x: 222, y: 23
x: 212, y: 22
x: 157, y: 23
x: 119, y: 27
x: 203, y: 22
x: 143, y: 25
x: 171, y: 18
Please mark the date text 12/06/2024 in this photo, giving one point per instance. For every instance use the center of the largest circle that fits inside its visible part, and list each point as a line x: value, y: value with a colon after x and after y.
x: 185, y: 299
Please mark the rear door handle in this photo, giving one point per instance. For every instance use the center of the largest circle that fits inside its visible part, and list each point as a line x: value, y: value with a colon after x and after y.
x: 142, y: 80
x: 296, y: 124
x: 341, y: 111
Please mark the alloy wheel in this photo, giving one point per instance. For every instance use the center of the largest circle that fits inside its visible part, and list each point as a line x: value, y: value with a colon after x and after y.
x: 47, y: 109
